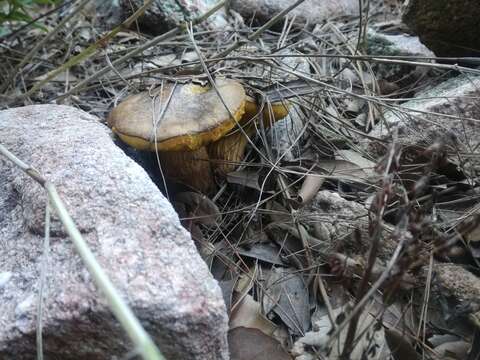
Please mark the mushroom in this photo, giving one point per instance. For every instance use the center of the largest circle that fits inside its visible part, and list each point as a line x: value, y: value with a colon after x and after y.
x: 178, y: 121
x: 229, y: 150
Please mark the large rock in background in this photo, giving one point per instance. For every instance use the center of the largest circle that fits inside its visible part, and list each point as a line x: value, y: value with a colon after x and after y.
x: 419, y: 121
x: 448, y: 28
x: 399, y: 44
x: 310, y: 11
x: 132, y: 230
x: 448, y: 113
x: 163, y: 15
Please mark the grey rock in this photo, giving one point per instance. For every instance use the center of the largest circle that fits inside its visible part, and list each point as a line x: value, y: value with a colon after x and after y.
x: 132, y: 230
x: 448, y: 112
x: 459, y: 286
x: 448, y: 28
x: 454, y: 297
x: 395, y: 45
x: 108, y: 13
x: 163, y: 15
x: 398, y: 44
x: 335, y: 219
x: 310, y: 11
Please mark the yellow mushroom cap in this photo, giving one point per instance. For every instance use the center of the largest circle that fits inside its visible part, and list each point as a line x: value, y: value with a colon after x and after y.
x: 278, y: 109
x: 194, y: 115
x: 227, y: 152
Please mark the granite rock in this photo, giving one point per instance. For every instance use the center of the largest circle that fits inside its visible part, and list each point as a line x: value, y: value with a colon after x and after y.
x: 447, y: 113
x: 334, y: 221
x: 382, y: 44
x: 131, y: 228
x: 163, y: 15
x: 310, y: 11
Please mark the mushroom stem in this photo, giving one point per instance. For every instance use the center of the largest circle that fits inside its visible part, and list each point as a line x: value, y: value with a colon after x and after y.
x: 190, y: 168
x: 178, y: 121
x: 227, y: 152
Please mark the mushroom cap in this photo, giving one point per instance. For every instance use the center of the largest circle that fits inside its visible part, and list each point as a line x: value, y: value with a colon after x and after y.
x: 194, y: 115
x: 227, y: 152
x: 278, y: 109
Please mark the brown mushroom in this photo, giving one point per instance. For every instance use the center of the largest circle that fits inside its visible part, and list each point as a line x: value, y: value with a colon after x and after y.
x: 227, y: 152
x: 178, y: 121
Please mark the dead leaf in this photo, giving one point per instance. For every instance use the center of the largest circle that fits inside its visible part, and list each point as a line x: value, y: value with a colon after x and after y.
x: 213, y: 255
x: 453, y: 350
x: 251, y: 179
x: 348, y: 165
x: 266, y: 252
x: 354, y: 104
x: 291, y: 238
x: 278, y: 213
x: 354, y: 157
x: 343, y: 170
x: 249, y: 314
x: 244, y: 284
x: 227, y: 291
x: 189, y: 56
x: 369, y: 339
x: 292, y: 250
x: 252, y: 344
x: 400, y: 347
x: 398, y: 315
x: 287, y: 296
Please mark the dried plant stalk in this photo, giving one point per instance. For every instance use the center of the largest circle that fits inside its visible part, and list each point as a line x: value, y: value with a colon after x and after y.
x: 143, y: 342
